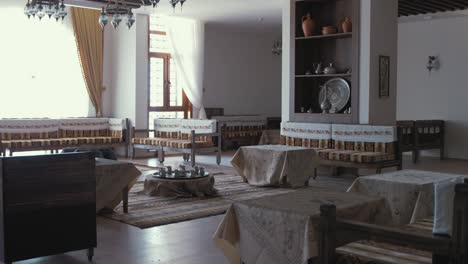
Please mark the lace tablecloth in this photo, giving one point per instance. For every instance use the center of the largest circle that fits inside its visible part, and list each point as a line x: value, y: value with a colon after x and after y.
x: 408, y: 193
x: 112, y: 177
x: 275, y: 165
x: 179, y: 187
x: 282, y: 229
x: 270, y: 137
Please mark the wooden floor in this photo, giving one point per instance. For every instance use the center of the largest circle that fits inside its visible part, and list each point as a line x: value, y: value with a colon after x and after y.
x: 190, y: 242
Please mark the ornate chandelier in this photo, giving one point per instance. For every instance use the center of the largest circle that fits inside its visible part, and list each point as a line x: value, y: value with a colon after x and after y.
x: 116, y: 12
x: 172, y: 2
x: 41, y: 8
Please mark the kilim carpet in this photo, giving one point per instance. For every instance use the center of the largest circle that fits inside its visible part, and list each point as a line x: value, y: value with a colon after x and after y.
x: 149, y: 211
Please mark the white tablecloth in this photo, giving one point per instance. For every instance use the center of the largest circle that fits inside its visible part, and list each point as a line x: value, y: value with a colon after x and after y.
x: 111, y: 179
x: 408, y: 193
x: 282, y: 229
x: 275, y: 165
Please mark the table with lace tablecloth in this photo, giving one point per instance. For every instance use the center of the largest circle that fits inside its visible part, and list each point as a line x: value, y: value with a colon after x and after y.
x: 408, y: 193
x: 275, y: 165
x: 282, y: 229
x: 114, y: 179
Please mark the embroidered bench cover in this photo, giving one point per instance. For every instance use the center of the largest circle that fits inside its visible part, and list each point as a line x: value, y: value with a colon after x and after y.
x: 350, y: 143
x: 24, y: 134
x: 177, y: 133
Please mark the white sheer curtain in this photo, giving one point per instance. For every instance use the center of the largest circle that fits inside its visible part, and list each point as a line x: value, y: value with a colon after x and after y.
x: 40, y: 74
x: 187, y: 40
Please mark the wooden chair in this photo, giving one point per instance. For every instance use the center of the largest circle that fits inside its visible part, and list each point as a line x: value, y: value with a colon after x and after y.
x: 48, y: 205
x: 335, y: 232
x: 420, y: 135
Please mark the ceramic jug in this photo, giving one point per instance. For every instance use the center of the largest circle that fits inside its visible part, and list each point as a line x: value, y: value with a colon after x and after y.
x: 308, y: 25
x: 325, y: 105
x: 347, y: 25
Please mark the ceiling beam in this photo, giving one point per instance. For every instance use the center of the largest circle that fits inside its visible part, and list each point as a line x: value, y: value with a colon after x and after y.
x: 420, y: 7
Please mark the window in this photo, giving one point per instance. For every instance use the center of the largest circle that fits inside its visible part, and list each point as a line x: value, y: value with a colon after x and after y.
x: 40, y: 73
x: 166, y: 98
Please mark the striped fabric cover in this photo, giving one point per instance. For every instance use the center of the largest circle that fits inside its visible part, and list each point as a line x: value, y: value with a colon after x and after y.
x: 361, y: 144
x: 241, y: 126
x: 177, y: 133
x: 25, y: 129
x: 308, y: 135
x: 349, y: 143
x: 84, y: 127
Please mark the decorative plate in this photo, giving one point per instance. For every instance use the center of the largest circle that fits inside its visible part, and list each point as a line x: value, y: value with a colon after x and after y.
x: 339, y: 93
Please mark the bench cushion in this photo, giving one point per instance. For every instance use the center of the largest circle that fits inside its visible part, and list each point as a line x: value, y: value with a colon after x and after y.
x: 174, y: 143
x: 355, y: 156
x: 371, y: 157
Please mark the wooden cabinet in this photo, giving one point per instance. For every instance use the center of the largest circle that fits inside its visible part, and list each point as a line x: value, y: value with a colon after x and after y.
x: 47, y: 206
x: 341, y: 49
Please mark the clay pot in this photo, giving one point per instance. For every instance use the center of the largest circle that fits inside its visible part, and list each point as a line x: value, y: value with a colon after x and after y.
x: 308, y: 25
x: 329, y: 30
x: 347, y: 25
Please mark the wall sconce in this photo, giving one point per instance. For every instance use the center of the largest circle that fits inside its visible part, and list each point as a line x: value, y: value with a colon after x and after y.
x: 433, y: 63
x: 277, y: 47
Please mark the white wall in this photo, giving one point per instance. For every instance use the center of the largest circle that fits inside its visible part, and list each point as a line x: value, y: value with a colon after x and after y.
x: 125, y: 72
x: 443, y: 94
x: 379, y: 27
x: 241, y: 73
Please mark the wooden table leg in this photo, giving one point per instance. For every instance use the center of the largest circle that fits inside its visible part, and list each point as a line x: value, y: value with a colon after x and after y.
x: 125, y: 199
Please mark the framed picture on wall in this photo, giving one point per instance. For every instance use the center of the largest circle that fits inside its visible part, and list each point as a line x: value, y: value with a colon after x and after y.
x: 384, y: 76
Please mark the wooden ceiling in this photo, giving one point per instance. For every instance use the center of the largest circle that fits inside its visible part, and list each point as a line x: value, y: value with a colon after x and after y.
x: 131, y: 3
x: 421, y: 7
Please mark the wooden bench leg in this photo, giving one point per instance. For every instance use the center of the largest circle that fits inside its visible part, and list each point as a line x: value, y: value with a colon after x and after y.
x: 218, y: 157
x: 133, y: 152
x: 334, y: 171
x: 415, y: 156
x: 90, y: 254
x: 125, y: 199
x: 438, y: 259
x: 315, y: 173
x: 161, y: 155
x: 327, y: 234
x: 193, y: 158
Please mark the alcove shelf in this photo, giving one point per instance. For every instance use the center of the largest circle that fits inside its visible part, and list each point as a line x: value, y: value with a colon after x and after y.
x: 341, y: 49
x: 330, y: 36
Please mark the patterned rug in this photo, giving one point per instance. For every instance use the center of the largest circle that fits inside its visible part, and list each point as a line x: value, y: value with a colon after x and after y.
x: 147, y: 211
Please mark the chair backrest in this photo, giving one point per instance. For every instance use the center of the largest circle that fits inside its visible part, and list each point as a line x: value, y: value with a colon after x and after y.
x: 44, y: 198
x: 405, y: 134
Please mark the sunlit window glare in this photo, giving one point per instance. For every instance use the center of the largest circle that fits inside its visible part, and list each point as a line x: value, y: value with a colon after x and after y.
x: 40, y: 73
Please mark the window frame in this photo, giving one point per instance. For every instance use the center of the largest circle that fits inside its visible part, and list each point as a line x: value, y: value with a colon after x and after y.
x: 186, y: 105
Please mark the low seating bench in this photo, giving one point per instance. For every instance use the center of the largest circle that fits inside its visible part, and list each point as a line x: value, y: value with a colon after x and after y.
x: 420, y: 135
x: 241, y: 129
x: 54, y: 134
x: 187, y: 136
x: 346, y: 146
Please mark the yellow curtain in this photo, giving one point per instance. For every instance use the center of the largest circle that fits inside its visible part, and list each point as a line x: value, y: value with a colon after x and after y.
x: 89, y: 41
